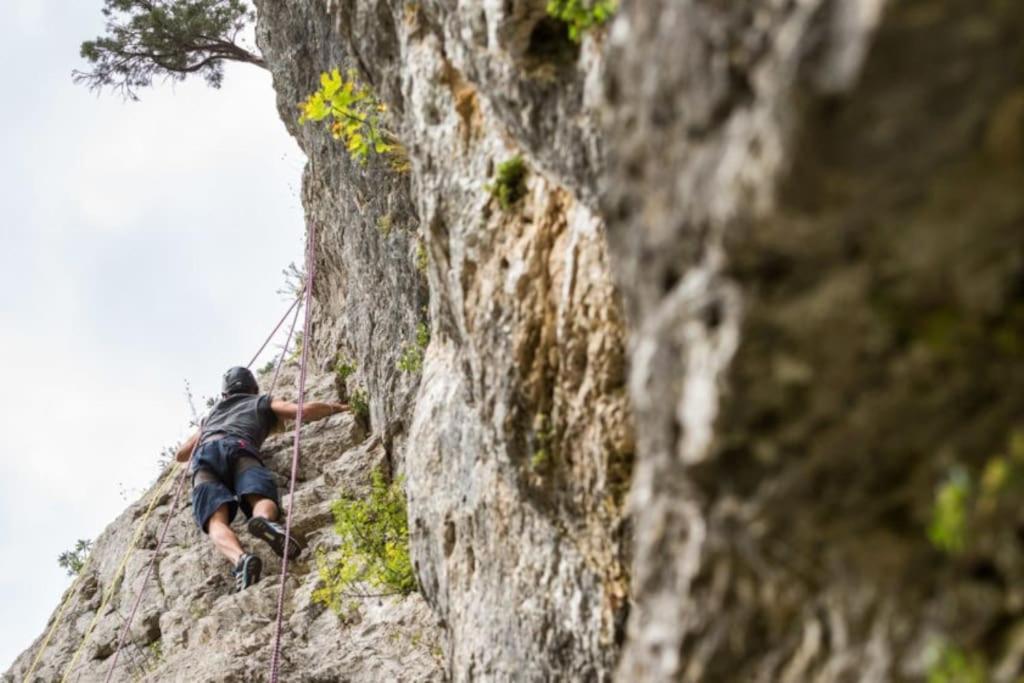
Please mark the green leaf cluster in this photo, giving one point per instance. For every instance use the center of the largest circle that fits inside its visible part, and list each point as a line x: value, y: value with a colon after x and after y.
x: 354, y: 113
x: 74, y: 560
x: 948, y: 528
x: 953, y: 665
x: 962, y: 505
x: 374, y: 549
x: 344, y: 368
x: 360, y: 403
x: 172, y: 39
x: 509, y: 184
x: 422, y: 257
x: 156, y: 654
x: 582, y: 15
x: 542, y: 459
x: 411, y: 359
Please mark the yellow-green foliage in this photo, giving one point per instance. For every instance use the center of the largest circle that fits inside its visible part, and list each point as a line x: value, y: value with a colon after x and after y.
x: 948, y: 530
x: 953, y: 665
x: 344, y: 368
x: 156, y: 654
x: 374, y: 549
x: 354, y: 112
x: 959, y: 503
x: 542, y: 459
x: 581, y: 15
x: 411, y: 359
x: 360, y: 403
x: 422, y: 257
x: 509, y: 184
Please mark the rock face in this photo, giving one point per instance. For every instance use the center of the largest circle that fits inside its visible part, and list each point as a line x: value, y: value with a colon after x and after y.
x: 766, y: 278
x: 515, y: 441
x: 818, y: 239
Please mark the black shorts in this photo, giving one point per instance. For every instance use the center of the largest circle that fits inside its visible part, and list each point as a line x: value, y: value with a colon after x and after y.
x: 223, y: 473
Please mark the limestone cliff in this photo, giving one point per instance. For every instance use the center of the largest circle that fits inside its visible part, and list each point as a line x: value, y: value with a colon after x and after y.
x: 686, y: 404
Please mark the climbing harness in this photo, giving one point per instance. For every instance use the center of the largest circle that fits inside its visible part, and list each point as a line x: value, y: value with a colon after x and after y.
x: 163, y: 484
x: 275, y: 658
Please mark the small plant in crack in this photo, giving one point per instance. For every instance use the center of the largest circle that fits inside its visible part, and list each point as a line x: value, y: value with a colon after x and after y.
x: 582, y: 15
x: 411, y: 359
x: 509, y: 184
x: 73, y: 561
x: 374, y: 550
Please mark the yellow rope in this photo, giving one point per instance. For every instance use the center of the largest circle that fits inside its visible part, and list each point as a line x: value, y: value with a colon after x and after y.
x: 167, y: 479
x: 57, y: 620
x: 117, y: 574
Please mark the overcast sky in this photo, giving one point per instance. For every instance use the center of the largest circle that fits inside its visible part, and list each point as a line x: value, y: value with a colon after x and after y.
x: 142, y: 245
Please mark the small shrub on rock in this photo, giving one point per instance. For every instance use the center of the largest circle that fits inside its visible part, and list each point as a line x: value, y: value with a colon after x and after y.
x: 509, y: 184
x: 582, y: 15
x: 73, y: 561
x: 374, y: 549
x: 355, y: 116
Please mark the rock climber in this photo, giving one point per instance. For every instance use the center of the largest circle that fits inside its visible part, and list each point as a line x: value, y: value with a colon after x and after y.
x: 228, y: 472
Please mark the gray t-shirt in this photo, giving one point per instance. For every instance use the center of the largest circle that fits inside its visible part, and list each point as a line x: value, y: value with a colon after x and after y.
x: 246, y: 416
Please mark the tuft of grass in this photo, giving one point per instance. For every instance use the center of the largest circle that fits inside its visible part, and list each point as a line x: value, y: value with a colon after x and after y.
x: 411, y: 359
x: 422, y: 257
x: 509, y: 184
x: 156, y: 654
x: 344, y: 368
x: 360, y: 403
x: 953, y: 665
x: 582, y: 15
x: 542, y: 459
x: 948, y: 528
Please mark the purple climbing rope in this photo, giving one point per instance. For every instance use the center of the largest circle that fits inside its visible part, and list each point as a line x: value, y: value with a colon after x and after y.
x: 274, y: 331
x: 275, y: 659
x: 142, y: 589
x: 284, y: 350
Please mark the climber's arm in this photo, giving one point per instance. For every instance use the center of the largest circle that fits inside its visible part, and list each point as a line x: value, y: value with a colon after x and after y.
x: 185, y: 450
x: 312, y: 411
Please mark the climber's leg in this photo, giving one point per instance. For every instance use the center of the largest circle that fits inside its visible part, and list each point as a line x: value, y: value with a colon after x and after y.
x: 262, y: 507
x: 219, y: 528
x: 256, y: 489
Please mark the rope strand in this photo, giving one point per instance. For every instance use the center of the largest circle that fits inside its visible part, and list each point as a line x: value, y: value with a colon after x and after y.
x: 275, y: 659
x: 276, y: 328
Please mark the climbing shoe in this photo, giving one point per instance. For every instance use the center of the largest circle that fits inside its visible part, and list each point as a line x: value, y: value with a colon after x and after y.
x: 247, y: 571
x: 274, y: 534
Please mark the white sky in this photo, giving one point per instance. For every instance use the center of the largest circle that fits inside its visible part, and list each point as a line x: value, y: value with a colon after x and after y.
x: 141, y: 244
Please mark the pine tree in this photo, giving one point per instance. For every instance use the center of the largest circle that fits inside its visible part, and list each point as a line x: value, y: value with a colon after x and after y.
x: 147, y: 39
